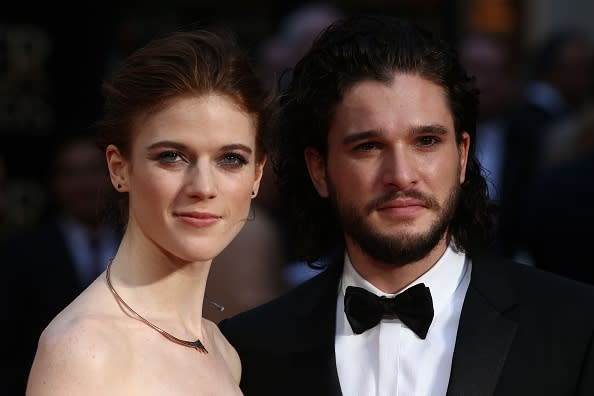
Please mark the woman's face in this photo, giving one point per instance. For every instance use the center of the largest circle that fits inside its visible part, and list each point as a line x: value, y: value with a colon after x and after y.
x: 191, y: 175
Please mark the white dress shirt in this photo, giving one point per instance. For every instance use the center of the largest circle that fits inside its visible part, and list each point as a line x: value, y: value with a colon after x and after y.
x: 390, y: 359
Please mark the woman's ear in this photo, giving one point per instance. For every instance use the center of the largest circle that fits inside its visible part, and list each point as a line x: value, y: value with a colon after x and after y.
x: 317, y: 170
x: 259, y: 172
x: 118, y: 168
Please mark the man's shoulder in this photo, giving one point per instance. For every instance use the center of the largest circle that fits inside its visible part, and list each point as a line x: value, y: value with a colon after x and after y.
x: 536, y: 287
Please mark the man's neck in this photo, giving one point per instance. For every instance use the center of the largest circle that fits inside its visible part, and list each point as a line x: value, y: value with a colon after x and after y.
x: 387, y: 277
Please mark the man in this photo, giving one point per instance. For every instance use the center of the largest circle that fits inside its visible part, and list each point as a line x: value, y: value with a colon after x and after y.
x: 376, y: 163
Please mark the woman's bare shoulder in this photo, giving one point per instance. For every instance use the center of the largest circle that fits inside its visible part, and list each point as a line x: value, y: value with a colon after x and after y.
x: 75, y: 354
x: 226, y: 350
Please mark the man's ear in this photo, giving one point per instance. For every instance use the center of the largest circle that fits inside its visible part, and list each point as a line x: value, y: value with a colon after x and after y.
x: 464, y: 148
x: 118, y: 168
x: 316, y: 166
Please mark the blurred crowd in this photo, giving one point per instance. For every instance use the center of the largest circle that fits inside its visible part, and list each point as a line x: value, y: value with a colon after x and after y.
x: 535, y: 141
x: 58, y: 213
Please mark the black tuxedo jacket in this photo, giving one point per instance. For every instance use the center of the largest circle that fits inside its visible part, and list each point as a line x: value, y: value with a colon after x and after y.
x: 522, y: 332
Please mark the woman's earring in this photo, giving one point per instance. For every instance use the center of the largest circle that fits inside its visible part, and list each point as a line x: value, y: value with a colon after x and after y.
x: 252, y: 213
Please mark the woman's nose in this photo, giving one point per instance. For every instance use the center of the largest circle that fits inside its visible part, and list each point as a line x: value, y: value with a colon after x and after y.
x: 201, y: 181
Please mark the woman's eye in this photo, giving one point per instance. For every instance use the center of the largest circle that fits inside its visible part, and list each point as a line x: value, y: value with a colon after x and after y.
x: 233, y: 160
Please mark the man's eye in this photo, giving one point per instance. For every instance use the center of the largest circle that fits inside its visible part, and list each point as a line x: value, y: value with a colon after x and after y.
x: 427, y: 141
x: 169, y: 156
x: 233, y: 160
x: 367, y: 146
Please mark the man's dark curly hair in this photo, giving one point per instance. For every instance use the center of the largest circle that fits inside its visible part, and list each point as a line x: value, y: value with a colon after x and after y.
x: 349, y: 51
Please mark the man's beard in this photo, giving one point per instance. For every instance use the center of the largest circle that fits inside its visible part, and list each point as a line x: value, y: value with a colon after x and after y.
x: 399, y: 248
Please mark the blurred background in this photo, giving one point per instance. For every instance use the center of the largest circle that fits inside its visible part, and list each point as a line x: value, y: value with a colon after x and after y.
x: 53, y: 57
x: 534, y: 64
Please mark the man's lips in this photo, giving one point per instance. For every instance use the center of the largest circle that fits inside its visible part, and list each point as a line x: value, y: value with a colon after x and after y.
x: 401, y: 204
x: 401, y: 207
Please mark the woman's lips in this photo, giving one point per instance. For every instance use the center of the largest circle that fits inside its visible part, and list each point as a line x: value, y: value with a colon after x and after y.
x: 198, y: 219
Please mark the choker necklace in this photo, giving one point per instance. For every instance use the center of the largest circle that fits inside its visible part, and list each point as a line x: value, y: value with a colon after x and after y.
x: 197, y: 345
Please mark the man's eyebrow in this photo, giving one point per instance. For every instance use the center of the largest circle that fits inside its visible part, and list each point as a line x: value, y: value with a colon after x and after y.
x: 355, y: 137
x: 437, y: 129
x: 432, y: 128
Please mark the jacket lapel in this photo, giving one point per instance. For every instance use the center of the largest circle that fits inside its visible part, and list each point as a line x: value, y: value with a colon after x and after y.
x: 317, y: 315
x: 484, y: 334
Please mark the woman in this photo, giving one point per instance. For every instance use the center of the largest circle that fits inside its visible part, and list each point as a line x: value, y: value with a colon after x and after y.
x: 182, y: 135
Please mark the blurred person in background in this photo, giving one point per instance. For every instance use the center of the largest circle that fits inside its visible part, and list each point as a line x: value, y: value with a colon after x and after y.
x: 556, y: 213
x: 65, y: 252
x: 558, y: 89
x: 551, y: 227
x: 278, y: 53
x: 490, y: 59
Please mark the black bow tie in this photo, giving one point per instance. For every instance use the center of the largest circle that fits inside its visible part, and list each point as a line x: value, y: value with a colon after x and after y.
x: 414, y: 307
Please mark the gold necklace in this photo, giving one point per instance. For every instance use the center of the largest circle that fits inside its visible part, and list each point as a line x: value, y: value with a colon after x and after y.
x: 190, y: 344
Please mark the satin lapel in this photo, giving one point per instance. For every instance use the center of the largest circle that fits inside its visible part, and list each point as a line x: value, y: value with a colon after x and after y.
x: 317, y: 333
x: 484, y: 334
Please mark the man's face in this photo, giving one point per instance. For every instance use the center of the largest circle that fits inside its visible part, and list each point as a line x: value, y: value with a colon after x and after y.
x: 394, y: 168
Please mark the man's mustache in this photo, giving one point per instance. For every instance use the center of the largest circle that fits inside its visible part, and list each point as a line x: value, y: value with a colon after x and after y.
x: 429, y: 202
